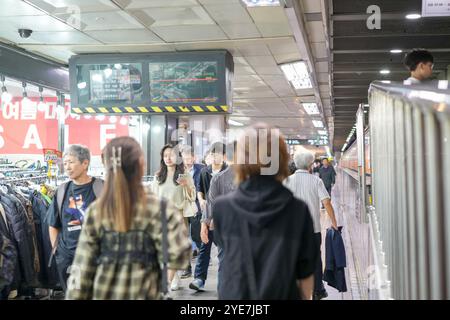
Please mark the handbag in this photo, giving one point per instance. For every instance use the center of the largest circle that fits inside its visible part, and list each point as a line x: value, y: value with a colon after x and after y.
x: 189, y: 209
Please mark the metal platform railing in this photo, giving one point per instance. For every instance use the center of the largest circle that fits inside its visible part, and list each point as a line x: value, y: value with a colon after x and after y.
x: 410, y: 217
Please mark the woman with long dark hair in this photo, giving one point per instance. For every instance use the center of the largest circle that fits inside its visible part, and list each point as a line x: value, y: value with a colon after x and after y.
x: 178, y: 187
x: 120, y: 247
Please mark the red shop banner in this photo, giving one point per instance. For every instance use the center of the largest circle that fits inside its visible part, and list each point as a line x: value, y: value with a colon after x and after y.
x: 28, y: 128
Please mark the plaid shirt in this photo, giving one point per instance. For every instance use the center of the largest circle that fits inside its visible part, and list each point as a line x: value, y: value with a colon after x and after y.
x: 126, y: 275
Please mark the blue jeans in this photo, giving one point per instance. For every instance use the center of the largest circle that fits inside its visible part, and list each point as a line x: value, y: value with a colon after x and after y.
x: 201, y: 268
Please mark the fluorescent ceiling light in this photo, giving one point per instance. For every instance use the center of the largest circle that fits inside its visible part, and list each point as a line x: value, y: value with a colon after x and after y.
x: 413, y: 16
x: 235, y: 123
x: 343, y: 148
x: 386, y: 81
x: 318, y: 123
x: 261, y: 3
x: 396, y: 51
x: 297, y: 73
x: 322, y: 132
x: 311, y: 108
x: 385, y: 71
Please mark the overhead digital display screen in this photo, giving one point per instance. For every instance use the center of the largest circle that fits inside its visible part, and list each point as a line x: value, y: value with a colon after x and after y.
x: 109, y: 83
x: 163, y: 82
x: 191, y: 82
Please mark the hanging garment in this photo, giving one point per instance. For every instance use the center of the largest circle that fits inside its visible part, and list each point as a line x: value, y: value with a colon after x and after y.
x: 335, y: 260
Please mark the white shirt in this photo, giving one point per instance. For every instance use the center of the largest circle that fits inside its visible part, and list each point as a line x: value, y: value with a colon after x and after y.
x: 412, y: 80
x: 310, y: 189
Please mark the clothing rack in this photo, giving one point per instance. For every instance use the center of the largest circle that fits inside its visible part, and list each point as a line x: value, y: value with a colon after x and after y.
x: 14, y: 179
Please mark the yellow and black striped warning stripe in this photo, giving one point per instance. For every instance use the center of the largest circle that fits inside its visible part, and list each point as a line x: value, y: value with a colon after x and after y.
x: 151, y: 109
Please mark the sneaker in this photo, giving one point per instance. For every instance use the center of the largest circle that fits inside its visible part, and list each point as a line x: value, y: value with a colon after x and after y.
x: 320, y: 295
x: 186, y: 274
x: 175, y: 285
x: 197, y: 284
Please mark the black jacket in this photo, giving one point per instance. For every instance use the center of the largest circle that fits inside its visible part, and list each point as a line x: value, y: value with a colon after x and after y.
x: 335, y: 260
x: 21, y: 232
x: 48, y: 277
x: 281, y: 246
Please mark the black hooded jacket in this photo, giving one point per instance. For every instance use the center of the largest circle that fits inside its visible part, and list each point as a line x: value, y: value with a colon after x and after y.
x: 281, y: 242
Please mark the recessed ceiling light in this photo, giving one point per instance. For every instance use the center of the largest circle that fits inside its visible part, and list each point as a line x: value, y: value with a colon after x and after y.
x: 413, y: 16
x: 235, y: 123
x: 261, y: 3
x: 318, y: 123
x: 396, y: 51
x: 385, y: 71
x: 311, y: 108
x: 297, y: 73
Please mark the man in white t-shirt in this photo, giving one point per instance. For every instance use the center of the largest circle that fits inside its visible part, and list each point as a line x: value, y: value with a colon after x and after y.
x: 311, y: 189
x: 420, y: 63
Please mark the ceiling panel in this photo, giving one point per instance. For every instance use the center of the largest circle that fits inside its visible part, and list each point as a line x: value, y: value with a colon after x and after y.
x: 125, y: 36
x: 311, y: 6
x: 319, y: 50
x: 108, y: 20
x: 189, y: 33
x: 316, y: 31
x: 218, y: 1
x: 240, y: 31
x: 140, y: 4
x: 271, y: 21
x: 287, y: 57
x: 226, y: 45
x: 261, y: 61
x: 254, y: 50
x: 61, y: 38
x: 180, y: 16
x: 322, y: 67
x: 18, y: 8
x: 274, y: 30
x: 229, y: 13
x: 35, y: 23
x: 73, y: 6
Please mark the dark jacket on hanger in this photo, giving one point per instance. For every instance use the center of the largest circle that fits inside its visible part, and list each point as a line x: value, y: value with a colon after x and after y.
x: 335, y: 260
x: 22, y: 235
x: 281, y: 247
x: 48, y: 277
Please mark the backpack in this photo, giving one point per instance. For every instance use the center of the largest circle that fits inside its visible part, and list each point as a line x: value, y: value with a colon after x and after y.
x: 8, y: 261
x: 62, y: 189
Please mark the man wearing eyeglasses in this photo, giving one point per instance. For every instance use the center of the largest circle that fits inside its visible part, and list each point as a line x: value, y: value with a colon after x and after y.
x: 420, y: 63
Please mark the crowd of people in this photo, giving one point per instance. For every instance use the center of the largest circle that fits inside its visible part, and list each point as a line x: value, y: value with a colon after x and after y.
x: 114, y: 239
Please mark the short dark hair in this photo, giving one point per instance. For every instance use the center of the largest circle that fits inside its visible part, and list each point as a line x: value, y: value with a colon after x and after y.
x: 218, y: 147
x: 417, y: 56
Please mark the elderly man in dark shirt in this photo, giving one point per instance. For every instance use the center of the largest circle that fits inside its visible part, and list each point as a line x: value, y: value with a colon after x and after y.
x: 328, y: 175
